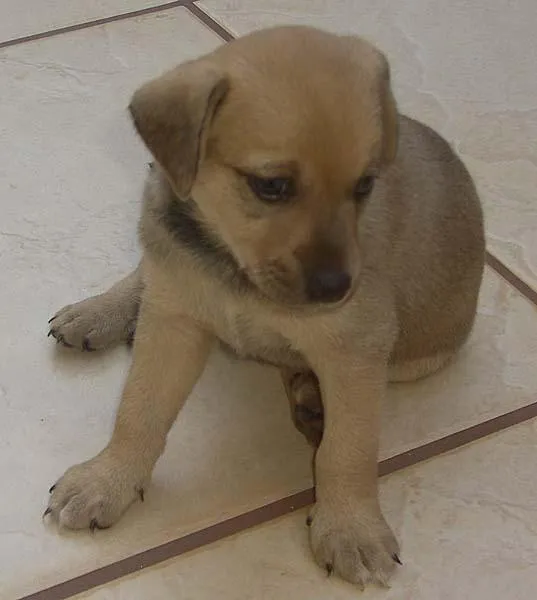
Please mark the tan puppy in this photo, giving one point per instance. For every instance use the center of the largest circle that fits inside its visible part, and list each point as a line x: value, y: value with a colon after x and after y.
x: 293, y: 215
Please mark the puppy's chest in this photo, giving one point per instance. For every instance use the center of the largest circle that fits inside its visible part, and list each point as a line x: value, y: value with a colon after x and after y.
x: 245, y: 325
x: 248, y: 336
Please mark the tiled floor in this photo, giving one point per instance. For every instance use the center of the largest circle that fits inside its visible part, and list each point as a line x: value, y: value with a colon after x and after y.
x: 71, y: 171
x: 34, y: 17
x: 464, y: 538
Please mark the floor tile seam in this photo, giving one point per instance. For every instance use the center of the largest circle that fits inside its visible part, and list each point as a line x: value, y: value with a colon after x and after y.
x: 279, y: 508
x: 508, y: 275
x: 221, y: 31
x: 94, y: 23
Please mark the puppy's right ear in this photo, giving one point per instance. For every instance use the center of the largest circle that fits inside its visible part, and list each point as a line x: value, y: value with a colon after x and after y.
x: 390, y: 116
x: 173, y: 114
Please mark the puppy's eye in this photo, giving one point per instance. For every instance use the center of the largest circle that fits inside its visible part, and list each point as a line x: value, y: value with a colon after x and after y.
x: 271, y: 189
x: 364, y: 186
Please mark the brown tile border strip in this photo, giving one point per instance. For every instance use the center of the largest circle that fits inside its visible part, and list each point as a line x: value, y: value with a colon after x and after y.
x: 207, y: 20
x: 521, y: 286
x: 87, y: 24
x: 214, y: 533
x: 457, y: 439
x: 193, y: 541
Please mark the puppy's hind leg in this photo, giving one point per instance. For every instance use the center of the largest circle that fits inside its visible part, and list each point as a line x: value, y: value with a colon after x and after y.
x: 305, y: 401
x: 103, y: 320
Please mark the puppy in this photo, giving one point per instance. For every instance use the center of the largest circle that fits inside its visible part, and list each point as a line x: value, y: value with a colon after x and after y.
x: 295, y: 216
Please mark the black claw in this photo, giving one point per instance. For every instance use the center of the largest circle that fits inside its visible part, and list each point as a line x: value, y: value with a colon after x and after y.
x: 397, y: 559
x: 329, y: 569
x: 47, y: 512
x: 51, y: 332
x: 86, y: 346
x: 61, y: 340
x: 52, y: 489
x: 95, y: 525
x: 52, y: 319
x: 141, y: 494
x: 309, y: 521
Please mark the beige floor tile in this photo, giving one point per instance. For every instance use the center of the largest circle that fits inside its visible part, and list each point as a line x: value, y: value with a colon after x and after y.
x: 466, y: 68
x: 495, y: 373
x: 71, y: 172
x: 466, y: 522
x: 19, y: 19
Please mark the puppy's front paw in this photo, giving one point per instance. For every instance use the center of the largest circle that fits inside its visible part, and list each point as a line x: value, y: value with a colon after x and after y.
x: 95, y: 323
x: 353, y: 541
x: 94, y: 494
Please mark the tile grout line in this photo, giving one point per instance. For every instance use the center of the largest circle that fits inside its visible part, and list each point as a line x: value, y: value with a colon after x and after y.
x: 279, y: 508
x: 209, y: 22
x: 512, y: 279
x: 95, y: 22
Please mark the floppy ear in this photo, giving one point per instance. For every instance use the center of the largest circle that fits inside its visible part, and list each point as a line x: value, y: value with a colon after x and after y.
x: 173, y: 114
x: 372, y: 61
x: 390, y: 115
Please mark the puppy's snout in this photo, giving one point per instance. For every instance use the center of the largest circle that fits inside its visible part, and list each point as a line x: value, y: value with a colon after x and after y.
x: 328, y: 285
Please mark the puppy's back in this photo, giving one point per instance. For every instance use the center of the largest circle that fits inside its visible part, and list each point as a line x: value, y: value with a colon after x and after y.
x: 438, y: 251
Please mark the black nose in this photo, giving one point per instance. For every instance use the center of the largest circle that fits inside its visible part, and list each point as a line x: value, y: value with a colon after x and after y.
x: 328, y: 285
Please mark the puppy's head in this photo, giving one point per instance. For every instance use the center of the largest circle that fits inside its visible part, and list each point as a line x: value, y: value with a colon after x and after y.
x: 278, y: 138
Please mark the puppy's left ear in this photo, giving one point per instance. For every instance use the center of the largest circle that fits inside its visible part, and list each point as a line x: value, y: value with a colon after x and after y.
x: 390, y: 115
x: 373, y: 65
x: 173, y: 114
